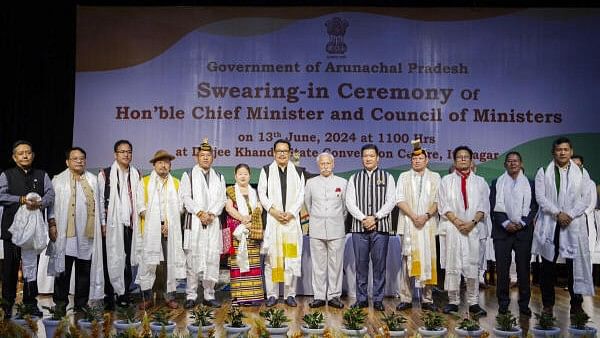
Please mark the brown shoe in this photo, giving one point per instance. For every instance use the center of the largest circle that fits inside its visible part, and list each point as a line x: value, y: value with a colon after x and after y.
x: 172, y: 304
x: 145, y: 305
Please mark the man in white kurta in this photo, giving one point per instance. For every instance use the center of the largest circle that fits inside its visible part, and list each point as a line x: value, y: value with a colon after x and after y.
x: 590, y: 215
x: 281, y: 192
x: 563, y: 194
x: 158, y: 249
x: 118, y: 186
x: 77, y: 235
x: 416, y: 197
x: 463, y: 201
x: 325, y: 197
x: 203, y: 196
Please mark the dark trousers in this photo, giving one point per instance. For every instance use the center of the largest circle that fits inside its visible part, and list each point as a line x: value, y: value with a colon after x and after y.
x: 82, y: 282
x: 503, y: 248
x: 109, y: 291
x: 10, y: 275
x: 548, y: 277
x: 371, y: 246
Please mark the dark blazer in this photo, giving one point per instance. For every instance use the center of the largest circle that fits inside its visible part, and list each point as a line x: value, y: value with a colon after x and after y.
x: 498, y: 231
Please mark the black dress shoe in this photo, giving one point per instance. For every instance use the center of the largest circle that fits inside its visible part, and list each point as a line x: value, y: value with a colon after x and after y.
x: 336, y: 303
x: 378, y: 306
x: 429, y: 307
x: 477, y: 310
x: 189, y: 304
x: 291, y: 301
x: 362, y: 304
x: 403, y: 306
x: 450, y: 308
x: 317, y: 303
x: 123, y: 301
x: 211, y: 303
x: 272, y: 301
x: 526, y: 312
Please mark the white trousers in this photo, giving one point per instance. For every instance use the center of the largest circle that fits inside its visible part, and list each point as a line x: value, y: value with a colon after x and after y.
x: 272, y: 288
x: 406, y: 287
x: 472, y: 291
x: 191, y: 288
x: 327, y: 257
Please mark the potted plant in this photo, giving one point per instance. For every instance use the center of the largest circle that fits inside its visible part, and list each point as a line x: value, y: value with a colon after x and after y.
x: 58, y: 313
x: 25, y: 318
x: 354, y: 322
x: 91, y: 323
x: 468, y: 328
x: 395, y: 324
x: 202, y: 317
x: 545, y: 326
x: 235, y: 327
x: 160, y: 323
x: 578, y: 326
x: 314, y: 324
x: 276, y: 320
x: 126, y: 319
x: 433, y: 325
x: 506, y: 326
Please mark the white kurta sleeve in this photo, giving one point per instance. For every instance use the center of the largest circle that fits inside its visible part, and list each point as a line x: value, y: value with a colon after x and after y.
x: 390, y: 198
x: 351, y: 200
x: 444, y: 204
x: 581, y: 204
x: 140, y: 200
x: 308, y: 194
x: 101, y: 186
x: 218, y: 202
x: 185, y: 192
x: 266, y: 202
x: 540, y: 194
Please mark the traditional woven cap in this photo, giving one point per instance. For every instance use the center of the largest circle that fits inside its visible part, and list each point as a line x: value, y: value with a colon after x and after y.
x: 161, y: 155
x: 205, y: 146
x: 417, y: 150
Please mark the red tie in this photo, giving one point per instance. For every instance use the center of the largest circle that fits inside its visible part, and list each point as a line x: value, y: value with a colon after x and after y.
x: 463, y: 187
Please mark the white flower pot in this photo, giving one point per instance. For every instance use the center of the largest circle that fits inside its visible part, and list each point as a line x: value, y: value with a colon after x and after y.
x: 235, y: 332
x: 123, y: 325
x: 465, y: 333
x: 51, y: 325
x: 354, y: 333
x: 397, y: 333
x: 538, y: 333
x: 432, y: 333
x: 588, y: 332
x: 23, y: 323
x: 204, y: 329
x: 156, y: 328
x: 312, y: 332
x: 278, y: 332
x: 516, y: 333
x: 86, y: 326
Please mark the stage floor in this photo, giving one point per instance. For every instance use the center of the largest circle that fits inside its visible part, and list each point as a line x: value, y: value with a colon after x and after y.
x: 334, y: 316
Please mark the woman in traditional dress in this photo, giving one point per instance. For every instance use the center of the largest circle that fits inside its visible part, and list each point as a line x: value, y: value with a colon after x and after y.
x: 244, y: 220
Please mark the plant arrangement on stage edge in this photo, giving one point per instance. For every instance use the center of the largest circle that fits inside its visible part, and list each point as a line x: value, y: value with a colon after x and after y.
x: 202, y: 317
x: 433, y: 324
x: 314, y: 324
x: 276, y: 320
x: 506, y: 326
x: 354, y: 322
x: 26, y: 319
x: 161, y: 324
x: 235, y: 327
x: 468, y: 328
x: 57, y: 324
x: 394, y: 322
x: 545, y: 326
x: 579, y: 326
x: 126, y: 319
x: 92, y: 322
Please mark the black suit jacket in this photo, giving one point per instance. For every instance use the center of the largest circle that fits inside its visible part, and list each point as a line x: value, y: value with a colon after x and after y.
x: 498, y: 231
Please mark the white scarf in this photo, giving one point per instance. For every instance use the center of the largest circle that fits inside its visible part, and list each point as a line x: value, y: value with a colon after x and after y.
x: 151, y: 238
x: 518, y: 203
x: 206, y: 243
x: 573, y: 240
x: 56, y: 250
x: 118, y: 216
x: 241, y: 234
x: 275, y: 232
x: 242, y: 207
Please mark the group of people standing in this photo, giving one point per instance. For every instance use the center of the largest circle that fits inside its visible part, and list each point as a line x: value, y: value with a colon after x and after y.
x: 172, y: 229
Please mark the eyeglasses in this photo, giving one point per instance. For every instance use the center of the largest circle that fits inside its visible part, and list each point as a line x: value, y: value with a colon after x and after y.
x: 77, y: 159
x: 464, y: 158
x: 282, y: 152
x: 124, y: 152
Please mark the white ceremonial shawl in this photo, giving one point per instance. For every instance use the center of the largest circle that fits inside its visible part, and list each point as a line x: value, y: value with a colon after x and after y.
x: 242, y: 208
x: 275, y: 231
x: 115, y: 249
x: 419, y: 240
x: 56, y: 264
x: 519, y: 202
x: 574, y: 242
x: 206, y: 244
x: 463, y: 252
x: 591, y: 221
x: 150, y: 244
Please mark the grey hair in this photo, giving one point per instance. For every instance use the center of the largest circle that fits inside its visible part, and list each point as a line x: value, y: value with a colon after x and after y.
x: 325, y: 154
